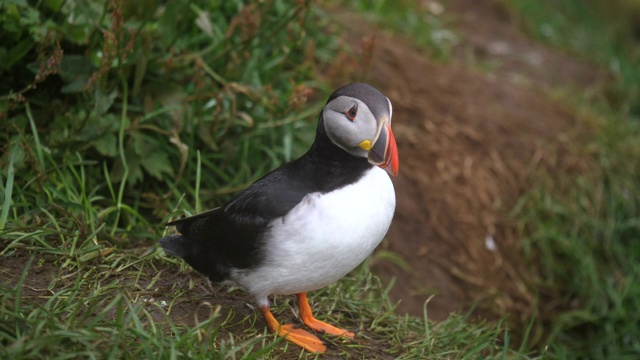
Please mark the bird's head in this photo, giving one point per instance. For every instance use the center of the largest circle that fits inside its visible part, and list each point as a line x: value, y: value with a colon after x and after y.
x: 357, y: 118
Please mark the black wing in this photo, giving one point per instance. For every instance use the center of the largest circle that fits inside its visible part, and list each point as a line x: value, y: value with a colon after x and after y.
x: 228, y: 237
x: 272, y: 196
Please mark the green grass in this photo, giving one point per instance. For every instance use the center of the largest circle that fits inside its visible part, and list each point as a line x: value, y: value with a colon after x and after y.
x: 583, y: 229
x: 582, y: 225
x: 90, y: 313
x: 118, y: 306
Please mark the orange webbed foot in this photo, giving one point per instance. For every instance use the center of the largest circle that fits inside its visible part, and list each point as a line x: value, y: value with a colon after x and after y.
x: 300, y: 337
x: 317, y: 325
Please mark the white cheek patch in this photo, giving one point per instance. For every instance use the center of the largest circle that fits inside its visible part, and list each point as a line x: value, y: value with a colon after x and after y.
x: 348, y: 134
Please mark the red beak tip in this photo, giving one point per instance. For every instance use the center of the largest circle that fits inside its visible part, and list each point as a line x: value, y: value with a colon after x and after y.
x: 394, y: 161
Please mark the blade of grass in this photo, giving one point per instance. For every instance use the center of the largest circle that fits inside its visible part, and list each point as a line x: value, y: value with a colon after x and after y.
x: 18, y: 287
x: 198, y: 178
x: 34, y: 130
x: 8, y: 190
x: 123, y: 157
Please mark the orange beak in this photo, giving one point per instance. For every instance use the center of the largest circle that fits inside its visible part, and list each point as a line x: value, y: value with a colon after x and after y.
x: 384, y: 152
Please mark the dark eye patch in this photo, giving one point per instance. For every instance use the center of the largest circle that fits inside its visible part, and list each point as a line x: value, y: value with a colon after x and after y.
x: 351, y: 113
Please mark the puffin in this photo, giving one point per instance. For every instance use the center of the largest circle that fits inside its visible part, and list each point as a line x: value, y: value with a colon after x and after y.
x: 307, y: 223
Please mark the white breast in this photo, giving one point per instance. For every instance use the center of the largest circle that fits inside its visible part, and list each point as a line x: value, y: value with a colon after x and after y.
x: 322, y: 238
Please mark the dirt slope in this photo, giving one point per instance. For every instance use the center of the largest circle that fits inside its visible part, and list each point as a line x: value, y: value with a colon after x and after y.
x: 468, y: 142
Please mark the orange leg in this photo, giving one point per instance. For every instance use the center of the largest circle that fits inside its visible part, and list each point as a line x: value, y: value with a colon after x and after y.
x: 315, y: 324
x: 297, y: 336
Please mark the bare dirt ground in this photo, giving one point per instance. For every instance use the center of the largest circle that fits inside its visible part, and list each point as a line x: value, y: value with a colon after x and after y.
x: 469, y: 140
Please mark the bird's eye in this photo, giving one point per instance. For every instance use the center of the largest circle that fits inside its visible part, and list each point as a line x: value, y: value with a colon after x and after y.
x: 351, y: 113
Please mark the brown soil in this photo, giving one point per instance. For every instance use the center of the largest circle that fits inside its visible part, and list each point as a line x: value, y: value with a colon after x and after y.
x: 469, y: 141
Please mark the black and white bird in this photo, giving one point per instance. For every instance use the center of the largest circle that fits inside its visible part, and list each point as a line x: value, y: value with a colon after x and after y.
x: 308, y: 223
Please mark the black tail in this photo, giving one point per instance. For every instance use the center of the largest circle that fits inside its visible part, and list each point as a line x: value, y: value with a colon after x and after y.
x: 176, y: 245
x: 196, y: 255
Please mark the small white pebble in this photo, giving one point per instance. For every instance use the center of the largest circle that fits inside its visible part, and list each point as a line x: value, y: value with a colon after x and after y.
x: 490, y: 243
x: 435, y: 7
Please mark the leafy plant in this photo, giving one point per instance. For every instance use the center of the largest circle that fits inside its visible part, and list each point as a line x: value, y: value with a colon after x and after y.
x: 144, y: 95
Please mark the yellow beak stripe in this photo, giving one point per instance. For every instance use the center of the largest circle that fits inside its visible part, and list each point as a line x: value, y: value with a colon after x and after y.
x: 365, y: 145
